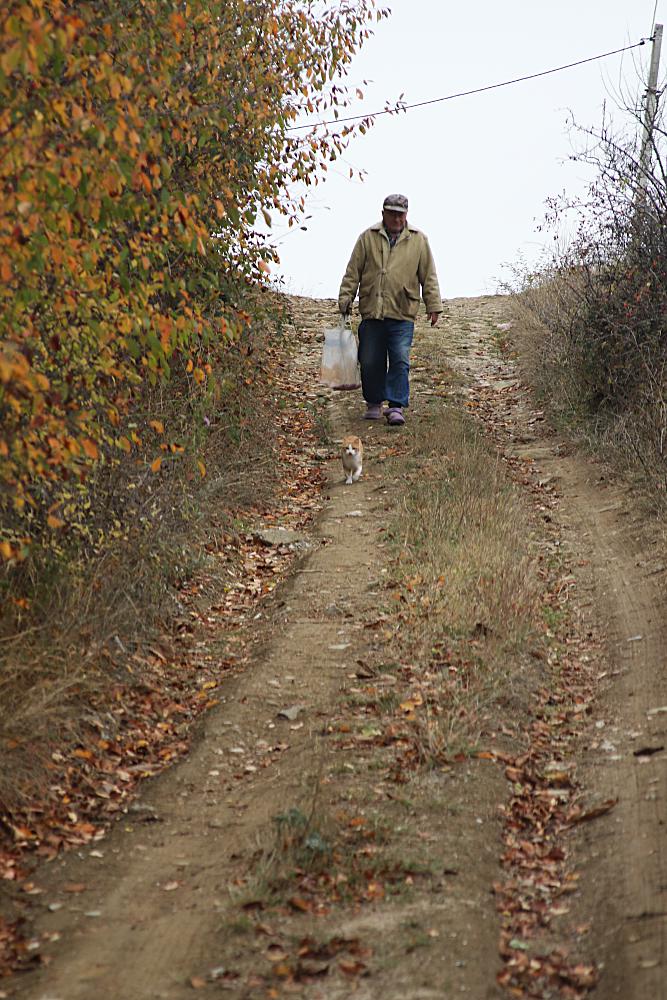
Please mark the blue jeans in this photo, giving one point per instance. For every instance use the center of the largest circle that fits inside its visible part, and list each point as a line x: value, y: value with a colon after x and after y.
x: 384, y: 356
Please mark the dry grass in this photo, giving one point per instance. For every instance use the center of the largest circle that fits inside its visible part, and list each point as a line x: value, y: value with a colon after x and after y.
x: 466, y: 532
x: 544, y: 310
x: 468, y: 576
x: 72, y: 620
x: 322, y: 853
x: 76, y: 641
x: 632, y: 440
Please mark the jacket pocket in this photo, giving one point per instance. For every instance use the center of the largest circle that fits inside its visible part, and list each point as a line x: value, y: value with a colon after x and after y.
x: 411, y: 299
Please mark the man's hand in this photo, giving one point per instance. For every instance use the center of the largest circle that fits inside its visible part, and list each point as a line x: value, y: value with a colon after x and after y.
x: 434, y: 317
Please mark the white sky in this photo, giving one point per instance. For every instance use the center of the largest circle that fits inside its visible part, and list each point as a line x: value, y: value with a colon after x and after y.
x: 477, y: 170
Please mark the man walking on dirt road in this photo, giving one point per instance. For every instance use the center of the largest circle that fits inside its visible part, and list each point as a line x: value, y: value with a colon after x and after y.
x: 393, y: 267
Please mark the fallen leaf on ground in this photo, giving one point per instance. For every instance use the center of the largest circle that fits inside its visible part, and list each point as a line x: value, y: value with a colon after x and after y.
x: 352, y: 968
x: 276, y: 953
x: 593, y: 813
x: 297, y: 903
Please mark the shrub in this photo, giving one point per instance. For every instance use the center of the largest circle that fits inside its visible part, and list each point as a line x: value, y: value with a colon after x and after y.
x: 141, y: 142
x: 601, y: 304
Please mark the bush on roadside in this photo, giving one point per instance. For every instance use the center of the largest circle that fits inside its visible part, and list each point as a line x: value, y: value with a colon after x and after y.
x: 596, y: 315
x: 141, y: 142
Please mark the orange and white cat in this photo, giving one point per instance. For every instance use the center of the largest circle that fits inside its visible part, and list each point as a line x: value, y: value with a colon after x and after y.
x: 352, y: 456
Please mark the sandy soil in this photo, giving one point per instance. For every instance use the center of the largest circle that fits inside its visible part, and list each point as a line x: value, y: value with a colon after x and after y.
x: 171, y: 903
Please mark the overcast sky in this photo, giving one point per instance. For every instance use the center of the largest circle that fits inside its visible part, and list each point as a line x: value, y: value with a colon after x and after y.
x: 477, y: 170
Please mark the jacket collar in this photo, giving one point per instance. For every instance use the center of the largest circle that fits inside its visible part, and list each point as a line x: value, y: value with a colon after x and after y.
x: 379, y: 227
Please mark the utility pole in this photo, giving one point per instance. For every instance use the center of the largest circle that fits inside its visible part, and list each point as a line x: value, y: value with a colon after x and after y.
x: 649, y: 117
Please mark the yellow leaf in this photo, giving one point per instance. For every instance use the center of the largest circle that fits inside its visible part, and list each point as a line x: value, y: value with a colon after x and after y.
x: 6, y: 550
x: 10, y: 60
x: 201, y: 467
x: 409, y: 706
x: 157, y: 426
x: 124, y: 444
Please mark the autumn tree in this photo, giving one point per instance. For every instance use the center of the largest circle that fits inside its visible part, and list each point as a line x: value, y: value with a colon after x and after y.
x: 141, y: 141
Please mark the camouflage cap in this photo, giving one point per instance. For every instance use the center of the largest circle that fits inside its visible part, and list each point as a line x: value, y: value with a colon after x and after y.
x: 395, y: 203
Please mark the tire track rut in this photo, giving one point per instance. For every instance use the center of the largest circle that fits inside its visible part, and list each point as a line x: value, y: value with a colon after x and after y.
x: 621, y: 856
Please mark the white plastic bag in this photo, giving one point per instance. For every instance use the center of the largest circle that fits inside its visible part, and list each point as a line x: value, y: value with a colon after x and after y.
x: 340, y: 362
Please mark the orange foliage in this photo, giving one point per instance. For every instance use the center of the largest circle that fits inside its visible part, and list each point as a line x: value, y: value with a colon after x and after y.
x: 141, y: 139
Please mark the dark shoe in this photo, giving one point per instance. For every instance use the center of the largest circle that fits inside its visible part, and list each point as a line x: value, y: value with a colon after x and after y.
x: 395, y: 416
x: 373, y: 411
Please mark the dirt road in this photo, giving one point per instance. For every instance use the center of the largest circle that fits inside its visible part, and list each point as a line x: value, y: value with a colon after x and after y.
x: 208, y: 884
x: 619, y: 566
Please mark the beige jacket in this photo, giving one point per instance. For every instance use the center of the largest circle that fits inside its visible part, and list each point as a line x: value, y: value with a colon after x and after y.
x: 390, y: 280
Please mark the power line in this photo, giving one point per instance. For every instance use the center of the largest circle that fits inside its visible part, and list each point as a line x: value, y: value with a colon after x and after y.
x: 467, y: 93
